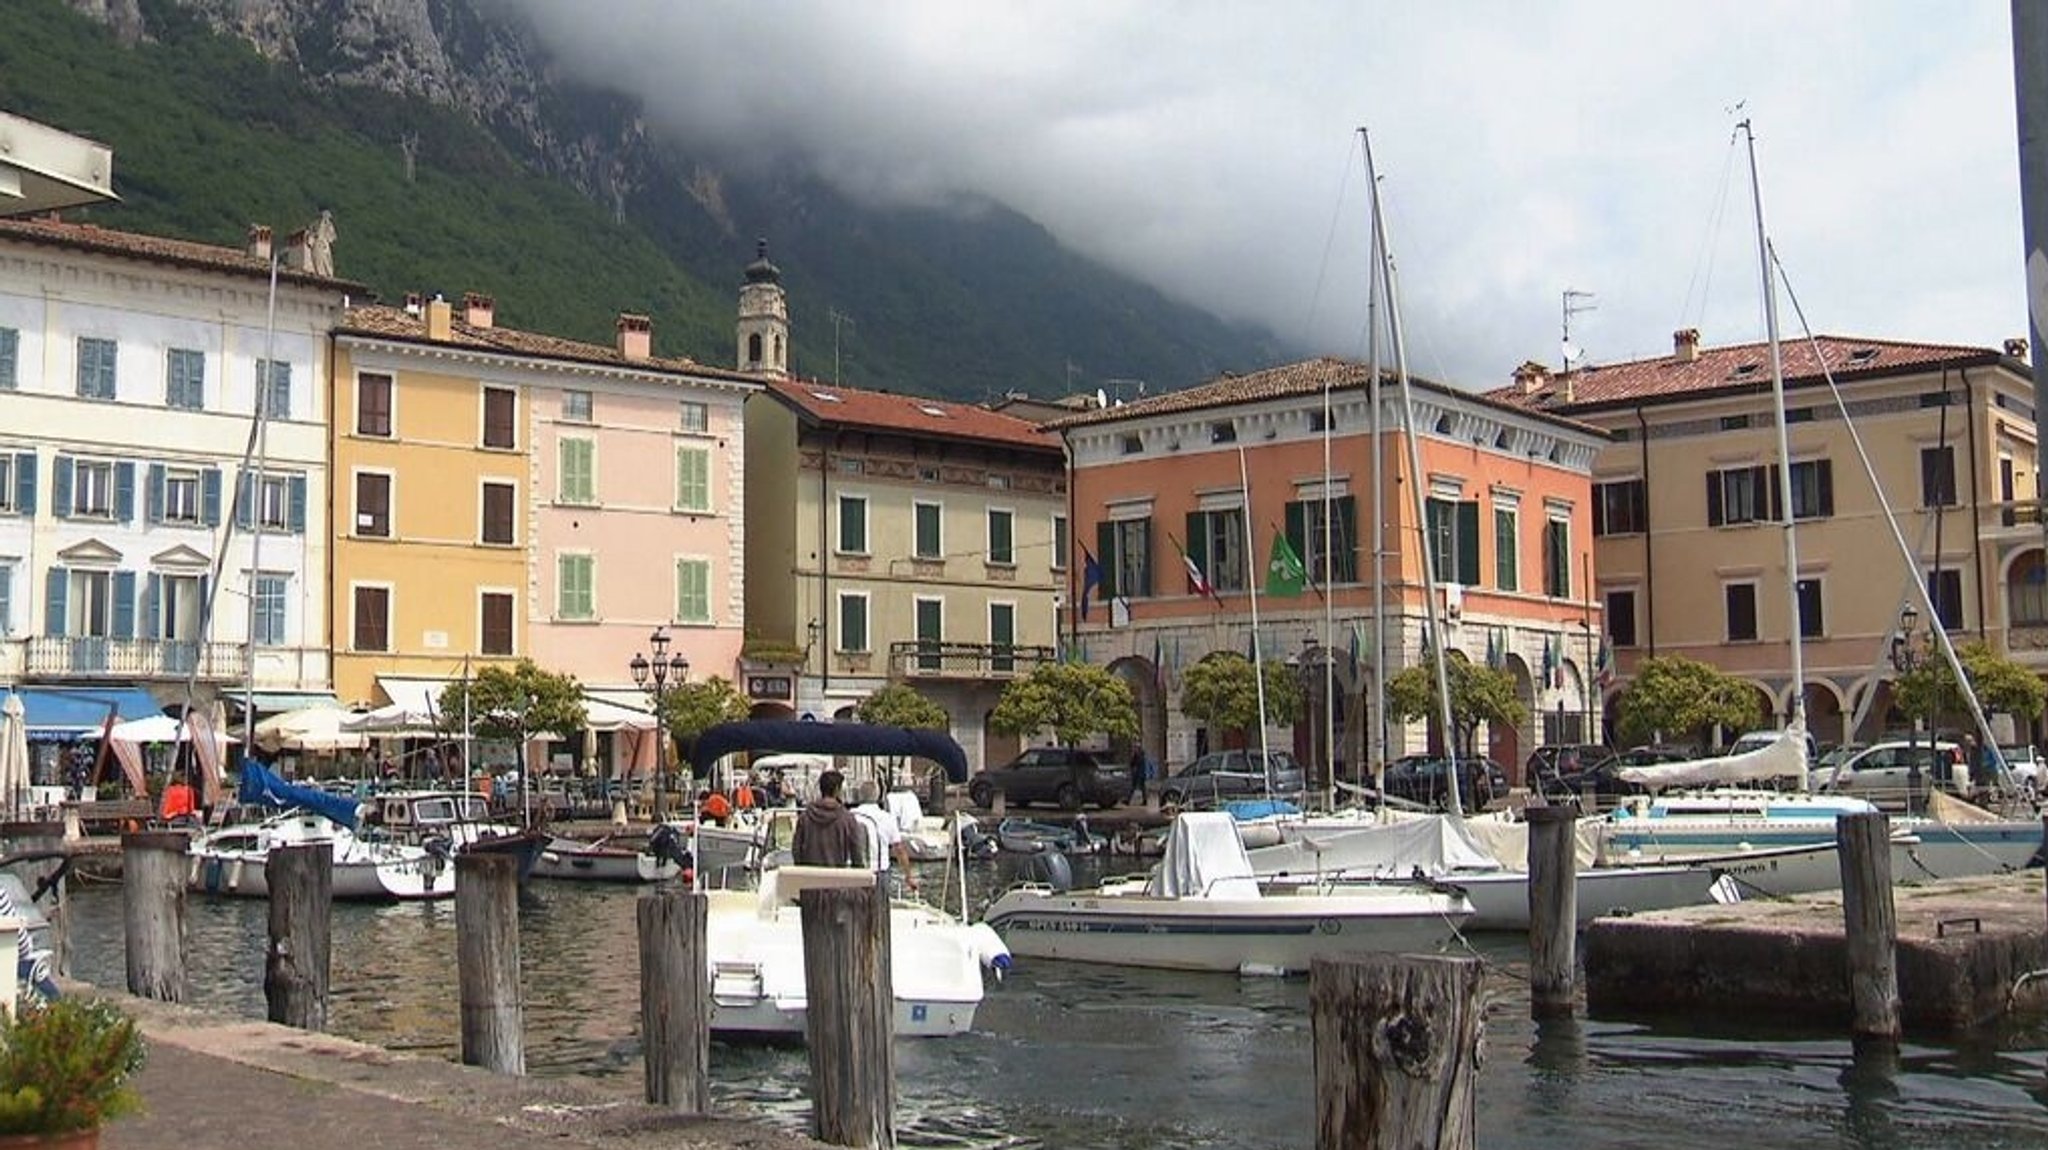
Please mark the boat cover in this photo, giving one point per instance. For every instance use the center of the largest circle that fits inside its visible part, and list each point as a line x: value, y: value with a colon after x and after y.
x: 827, y: 739
x: 1252, y: 810
x: 1435, y: 845
x: 260, y: 787
x: 1205, y: 858
x: 1782, y: 758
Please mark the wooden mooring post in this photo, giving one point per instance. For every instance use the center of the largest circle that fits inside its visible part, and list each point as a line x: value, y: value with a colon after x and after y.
x: 675, y: 994
x: 850, y: 1016
x: 1553, y: 910
x: 46, y: 835
x: 487, y: 960
x: 153, y: 867
x: 1396, y: 1041
x: 295, y: 968
x: 1870, y: 925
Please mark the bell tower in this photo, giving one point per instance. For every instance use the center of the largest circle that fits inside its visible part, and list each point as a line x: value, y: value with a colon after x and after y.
x: 764, y: 318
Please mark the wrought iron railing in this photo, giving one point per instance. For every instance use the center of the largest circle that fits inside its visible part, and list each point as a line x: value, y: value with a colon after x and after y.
x: 95, y: 657
x: 929, y: 660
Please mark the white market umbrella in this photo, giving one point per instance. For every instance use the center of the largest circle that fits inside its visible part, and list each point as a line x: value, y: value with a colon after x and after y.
x: 309, y: 730
x: 395, y: 721
x: 160, y: 729
x: 13, y: 752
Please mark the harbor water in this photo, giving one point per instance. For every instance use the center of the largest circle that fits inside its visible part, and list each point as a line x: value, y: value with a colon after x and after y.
x: 1073, y: 1056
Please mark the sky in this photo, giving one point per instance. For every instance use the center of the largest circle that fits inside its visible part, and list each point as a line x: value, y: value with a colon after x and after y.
x: 1524, y: 149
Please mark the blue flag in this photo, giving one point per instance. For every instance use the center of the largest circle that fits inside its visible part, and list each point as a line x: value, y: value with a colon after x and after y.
x: 1091, y: 579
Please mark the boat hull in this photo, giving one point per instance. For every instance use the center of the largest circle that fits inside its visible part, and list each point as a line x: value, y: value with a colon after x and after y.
x: 1501, y: 901
x: 584, y: 862
x: 243, y: 876
x: 1791, y: 860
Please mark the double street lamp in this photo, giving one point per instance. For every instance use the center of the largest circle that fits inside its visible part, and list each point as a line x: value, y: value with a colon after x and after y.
x: 1909, y: 652
x: 653, y: 676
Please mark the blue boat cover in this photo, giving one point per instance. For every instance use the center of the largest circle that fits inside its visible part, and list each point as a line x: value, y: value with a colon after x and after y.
x: 827, y: 739
x: 260, y: 787
x: 1248, y: 810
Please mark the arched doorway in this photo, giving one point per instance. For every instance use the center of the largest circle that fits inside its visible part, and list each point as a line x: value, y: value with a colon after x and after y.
x: 1141, y: 675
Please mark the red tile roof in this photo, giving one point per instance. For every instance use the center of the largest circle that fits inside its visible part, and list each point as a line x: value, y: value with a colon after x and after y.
x: 399, y: 324
x: 160, y: 249
x: 910, y: 414
x: 1735, y: 369
x: 1307, y: 377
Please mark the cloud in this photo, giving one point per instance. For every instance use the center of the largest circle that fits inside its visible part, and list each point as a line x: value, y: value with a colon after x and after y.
x: 1211, y: 149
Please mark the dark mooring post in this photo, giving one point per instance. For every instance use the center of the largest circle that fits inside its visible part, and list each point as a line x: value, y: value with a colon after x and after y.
x: 153, y: 865
x: 295, y: 970
x: 849, y: 1017
x: 1553, y: 910
x: 45, y: 835
x: 675, y: 992
x: 1396, y: 1041
x: 487, y: 960
x: 1870, y: 924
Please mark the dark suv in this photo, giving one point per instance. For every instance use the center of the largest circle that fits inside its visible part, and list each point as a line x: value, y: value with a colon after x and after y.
x: 1060, y: 775
x: 1425, y: 779
x: 1223, y: 776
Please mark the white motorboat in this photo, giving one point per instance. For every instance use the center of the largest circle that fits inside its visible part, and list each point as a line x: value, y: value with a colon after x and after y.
x: 659, y: 858
x: 231, y: 861
x: 1203, y: 909
x: 462, y: 820
x: 756, y: 950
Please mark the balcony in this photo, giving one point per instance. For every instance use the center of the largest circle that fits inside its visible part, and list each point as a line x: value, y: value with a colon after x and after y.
x: 965, y: 661
x: 89, y: 657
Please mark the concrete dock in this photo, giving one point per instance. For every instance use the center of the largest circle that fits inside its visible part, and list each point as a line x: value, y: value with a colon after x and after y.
x: 1971, y: 952
x: 215, y: 1083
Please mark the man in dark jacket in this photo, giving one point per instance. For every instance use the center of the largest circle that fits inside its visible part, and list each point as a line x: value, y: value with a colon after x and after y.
x: 828, y: 834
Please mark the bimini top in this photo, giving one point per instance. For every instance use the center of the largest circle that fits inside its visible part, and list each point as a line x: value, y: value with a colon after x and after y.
x: 828, y: 739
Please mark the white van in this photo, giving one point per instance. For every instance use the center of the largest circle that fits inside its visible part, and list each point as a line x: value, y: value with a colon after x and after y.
x: 1883, y: 772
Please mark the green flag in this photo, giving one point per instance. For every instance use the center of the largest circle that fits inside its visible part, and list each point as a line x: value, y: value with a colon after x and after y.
x: 1285, y: 576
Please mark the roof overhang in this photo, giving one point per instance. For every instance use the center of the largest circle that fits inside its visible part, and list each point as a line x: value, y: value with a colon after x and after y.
x: 43, y: 169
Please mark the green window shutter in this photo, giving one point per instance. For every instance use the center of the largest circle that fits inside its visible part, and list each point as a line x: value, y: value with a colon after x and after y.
x: 1468, y: 542
x: 693, y: 479
x: 1827, y: 486
x: 1105, y: 554
x: 1714, y: 512
x: 693, y: 591
x: 1144, y: 560
x: 1198, y: 544
x: 1344, y: 540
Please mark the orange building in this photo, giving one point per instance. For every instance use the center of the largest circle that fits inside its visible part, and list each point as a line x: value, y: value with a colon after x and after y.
x: 1508, y: 503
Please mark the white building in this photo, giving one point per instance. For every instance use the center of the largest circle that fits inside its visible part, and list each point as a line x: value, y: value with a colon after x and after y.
x: 129, y: 368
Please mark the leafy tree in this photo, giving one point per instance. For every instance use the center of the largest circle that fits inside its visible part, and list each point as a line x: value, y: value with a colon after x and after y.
x: 1222, y: 690
x: 902, y: 705
x: 517, y: 703
x: 1928, y: 691
x: 1673, y: 696
x: 1075, y: 700
x: 1478, y: 695
x: 690, y: 709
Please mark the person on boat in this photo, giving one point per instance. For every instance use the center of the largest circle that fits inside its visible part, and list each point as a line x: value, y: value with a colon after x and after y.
x: 181, y: 803
x: 827, y: 834
x: 884, y: 839
x: 714, y: 807
x: 743, y: 798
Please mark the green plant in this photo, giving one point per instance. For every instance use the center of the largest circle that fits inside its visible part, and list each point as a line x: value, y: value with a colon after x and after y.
x: 66, y: 1066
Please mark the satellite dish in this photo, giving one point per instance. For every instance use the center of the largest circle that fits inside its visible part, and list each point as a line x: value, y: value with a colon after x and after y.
x: 1572, y: 352
x: 1101, y: 398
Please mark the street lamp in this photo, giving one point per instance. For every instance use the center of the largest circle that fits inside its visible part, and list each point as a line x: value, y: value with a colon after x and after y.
x: 1908, y: 654
x: 653, y: 676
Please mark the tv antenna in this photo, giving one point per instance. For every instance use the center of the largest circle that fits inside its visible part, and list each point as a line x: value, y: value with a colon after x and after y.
x: 1574, y: 302
x: 838, y: 318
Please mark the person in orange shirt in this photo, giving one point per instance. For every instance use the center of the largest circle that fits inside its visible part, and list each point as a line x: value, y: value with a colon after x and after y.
x: 713, y: 807
x: 743, y: 796
x: 180, y: 802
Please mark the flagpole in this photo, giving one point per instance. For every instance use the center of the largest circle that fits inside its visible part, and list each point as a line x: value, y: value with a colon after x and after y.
x: 1329, y: 659
x: 1252, y: 585
x: 1376, y: 734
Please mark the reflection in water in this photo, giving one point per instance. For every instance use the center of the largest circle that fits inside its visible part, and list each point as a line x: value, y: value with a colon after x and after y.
x: 1067, y: 1055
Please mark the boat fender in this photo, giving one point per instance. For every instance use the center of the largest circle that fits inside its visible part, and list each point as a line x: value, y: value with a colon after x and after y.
x: 1051, y: 868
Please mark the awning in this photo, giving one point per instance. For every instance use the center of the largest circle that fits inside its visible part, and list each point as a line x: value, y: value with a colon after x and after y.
x: 278, y: 702
x: 613, y: 708
x: 421, y: 695
x: 72, y: 711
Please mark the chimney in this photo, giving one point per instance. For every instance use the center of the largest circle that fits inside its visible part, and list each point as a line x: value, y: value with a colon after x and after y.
x: 259, y: 242
x: 636, y: 336
x: 477, y: 309
x: 440, y: 319
x: 1531, y: 377
x: 2016, y: 349
x: 415, y: 303
x: 1685, y: 344
x: 298, y: 251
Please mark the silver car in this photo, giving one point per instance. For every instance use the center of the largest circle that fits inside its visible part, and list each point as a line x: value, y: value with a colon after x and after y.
x: 1883, y: 772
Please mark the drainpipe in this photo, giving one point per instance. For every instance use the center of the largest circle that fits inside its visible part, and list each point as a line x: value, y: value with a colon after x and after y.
x: 1976, y: 522
x: 1649, y: 561
x: 828, y: 623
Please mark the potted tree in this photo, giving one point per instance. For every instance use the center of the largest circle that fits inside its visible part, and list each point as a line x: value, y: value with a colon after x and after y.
x: 65, y: 1071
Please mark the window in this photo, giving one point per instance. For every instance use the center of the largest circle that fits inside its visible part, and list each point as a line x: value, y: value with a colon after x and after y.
x: 10, y: 356
x: 185, y: 379
x: 693, y: 591
x: 275, y: 508
x: 1557, y: 558
x: 925, y: 526
x: 931, y: 632
x: 578, y: 481
x: 1740, y: 599
x: 696, y: 418
x: 1621, y: 618
x: 171, y: 607
x: 576, y: 587
x: 373, y: 618
x: 93, y: 610
x: 11, y: 502
x: 499, y: 500
x: 1734, y: 422
x: 96, y: 368
x: 853, y: 621
x: 1216, y: 544
x: 1124, y: 548
x: 1319, y: 421
x: 2027, y: 591
x: 1305, y: 532
x: 1813, y: 489
x: 1938, y: 476
x: 693, y: 479
x: 999, y: 482
x: 576, y: 407
x: 853, y: 526
x: 1130, y: 445
x: 1002, y: 636
x: 1507, y: 546
x: 270, y: 607
x: 1059, y: 543
x: 1454, y: 540
x: 1002, y: 536
x: 92, y: 489
x: 1811, y: 623
x: 274, y: 377
x: 1738, y: 496
x: 373, y: 405
x: 501, y: 406
x: 1945, y: 587
x: 373, y: 504
x: 181, y: 496
x: 1223, y: 433
x: 1620, y: 508
x: 494, y: 611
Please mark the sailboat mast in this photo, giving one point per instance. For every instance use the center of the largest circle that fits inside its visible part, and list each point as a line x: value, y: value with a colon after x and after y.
x: 1329, y: 607
x: 1376, y: 746
x: 1796, y: 709
x: 264, y: 371
x: 1416, y: 487
x: 1251, y: 579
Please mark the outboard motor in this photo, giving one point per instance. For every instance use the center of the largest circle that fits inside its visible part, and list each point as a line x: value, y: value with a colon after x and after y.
x: 975, y: 842
x: 666, y: 844
x: 1050, y: 868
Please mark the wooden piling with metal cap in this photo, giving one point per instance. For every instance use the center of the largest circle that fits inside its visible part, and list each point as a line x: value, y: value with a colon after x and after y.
x: 1396, y: 1044
x: 1870, y: 924
x: 300, y: 880
x: 153, y: 875
x: 1553, y: 910
x: 487, y: 961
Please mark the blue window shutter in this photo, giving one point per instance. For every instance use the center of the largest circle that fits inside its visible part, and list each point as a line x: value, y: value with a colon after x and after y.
x: 55, y: 608
x: 6, y: 600
x: 297, y: 522
x: 124, y: 492
x: 25, y: 482
x: 210, y: 497
x: 152, y: 606
x: 60, y: 490
x: 124, y: 604
x: 153, y: 495
x: 243, y: 519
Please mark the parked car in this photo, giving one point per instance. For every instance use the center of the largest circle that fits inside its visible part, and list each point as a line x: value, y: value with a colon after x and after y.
x: 1758, y: 740
x: 1563, y: 758
x: 1882, y: 773
x: 1222, y: 776
x: 2025, y: 765
x: 1061, y: 775
x: 1651, y: 755
x: 1425, y: 779
x: 1602, y: 778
